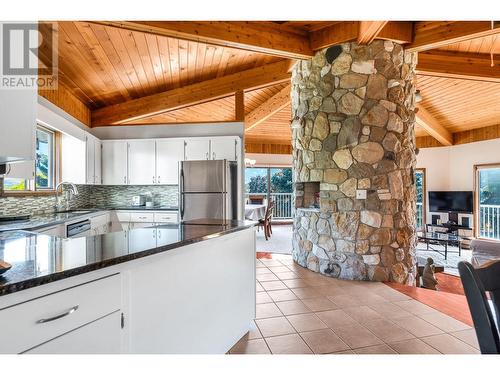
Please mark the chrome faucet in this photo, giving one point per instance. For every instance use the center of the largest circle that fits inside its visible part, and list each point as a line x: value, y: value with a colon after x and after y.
x: 72, y: 189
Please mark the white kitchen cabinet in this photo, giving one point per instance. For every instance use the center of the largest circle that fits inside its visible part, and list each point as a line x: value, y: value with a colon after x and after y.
x: 83, y: 340
x: 141, y: 162
x: 55, y: 230
x: 169, y: 152
x: 17, y: 118
x: 93, y: 159
x: 73, y: 159
x: 114, y: 162
x: 97, y: 162
x: 143, y: 239
x: 197, y: 149
x: 100, y: 224
x: 224, y: 148
x: 42, y: 319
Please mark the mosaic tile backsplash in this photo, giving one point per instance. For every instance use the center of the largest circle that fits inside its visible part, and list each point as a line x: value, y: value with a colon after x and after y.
x: 89, y: 196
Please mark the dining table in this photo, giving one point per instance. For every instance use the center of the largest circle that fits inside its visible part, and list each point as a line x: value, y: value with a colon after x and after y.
x: 255, y: 212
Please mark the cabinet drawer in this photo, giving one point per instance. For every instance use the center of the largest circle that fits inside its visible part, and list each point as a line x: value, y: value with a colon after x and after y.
x: 36, y: 321
x: 141, y: 217
x: 165, y: 217
x: 123, y: 216
x: 84, y: 340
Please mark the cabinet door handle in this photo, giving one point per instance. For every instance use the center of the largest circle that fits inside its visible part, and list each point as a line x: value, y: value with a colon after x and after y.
x: 70, y: 311
x: 153, y: 179
x: 158, y: 179
x: 207, y: 155
x: 124, y: 179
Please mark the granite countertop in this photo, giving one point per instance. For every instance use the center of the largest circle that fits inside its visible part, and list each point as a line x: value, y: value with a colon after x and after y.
x: 39, y: 259
x: 41, y: 221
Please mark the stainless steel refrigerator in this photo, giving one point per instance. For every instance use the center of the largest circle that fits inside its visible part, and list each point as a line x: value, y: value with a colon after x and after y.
x: 208, y: 189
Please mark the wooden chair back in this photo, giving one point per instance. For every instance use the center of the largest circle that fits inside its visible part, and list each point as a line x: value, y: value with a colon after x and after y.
x: 256, y: 199
x: 476, y: 282
x: 269, y: 210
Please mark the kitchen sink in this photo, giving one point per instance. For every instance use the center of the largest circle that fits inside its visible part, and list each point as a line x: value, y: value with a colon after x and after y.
x: 75, y: 212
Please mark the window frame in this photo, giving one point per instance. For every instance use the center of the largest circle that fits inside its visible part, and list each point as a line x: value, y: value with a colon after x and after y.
x: 476, y: 203
x: 56, y: 167
x: 424, y: 201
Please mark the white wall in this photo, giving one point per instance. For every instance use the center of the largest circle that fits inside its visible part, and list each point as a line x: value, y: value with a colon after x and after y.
x: 452, y: 168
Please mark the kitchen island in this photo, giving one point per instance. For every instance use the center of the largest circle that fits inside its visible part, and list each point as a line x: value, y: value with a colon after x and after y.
x: 164, y: 289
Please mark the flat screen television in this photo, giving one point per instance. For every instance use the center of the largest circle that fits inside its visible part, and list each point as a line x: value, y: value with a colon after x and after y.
x: 451, y: 201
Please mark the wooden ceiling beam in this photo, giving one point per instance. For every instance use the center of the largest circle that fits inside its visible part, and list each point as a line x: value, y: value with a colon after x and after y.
x: 192, y: 94
x: 340, y: 32
x: 433, y: 127
x: 362, y: 31
x: 436, y: 34
x: 263, y: 37
x: 397, y: 31
x: 459, y: 65
x: 368, y: 31
x: 267, y: 109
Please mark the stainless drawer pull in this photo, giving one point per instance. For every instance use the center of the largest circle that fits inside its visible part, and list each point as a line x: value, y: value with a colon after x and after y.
x: 70, y: 311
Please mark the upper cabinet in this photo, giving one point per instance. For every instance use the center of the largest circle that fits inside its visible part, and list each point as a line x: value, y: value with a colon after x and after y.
x: 18, y: 123
x: 156, y: 161
x: 224, y: 148
x: 114, y: 162
x: 73, y: 159
x: 141, y: 162
x: 17, y: 115
x: 197, y: 149
x: 169, y: 152
x: 93, y: 159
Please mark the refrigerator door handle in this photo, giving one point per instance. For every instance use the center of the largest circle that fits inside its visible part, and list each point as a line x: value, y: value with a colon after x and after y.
x: 181, y: 189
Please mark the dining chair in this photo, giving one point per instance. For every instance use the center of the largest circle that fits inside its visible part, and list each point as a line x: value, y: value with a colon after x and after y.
x: 485, y: 315
x: 266, y: 222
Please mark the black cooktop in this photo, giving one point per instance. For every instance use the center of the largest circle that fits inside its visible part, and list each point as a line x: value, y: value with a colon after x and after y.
x: 13, y: 219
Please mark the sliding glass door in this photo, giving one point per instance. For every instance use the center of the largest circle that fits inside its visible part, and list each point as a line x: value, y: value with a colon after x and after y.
x: 270, y: 183
x: 488, y: 201
x: 420, y: 186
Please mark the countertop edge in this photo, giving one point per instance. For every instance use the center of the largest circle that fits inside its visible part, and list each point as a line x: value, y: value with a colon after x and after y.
x: 46, y: 279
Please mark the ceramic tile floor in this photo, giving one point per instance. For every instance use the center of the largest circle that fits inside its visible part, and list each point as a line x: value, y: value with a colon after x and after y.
x: 302, y: 312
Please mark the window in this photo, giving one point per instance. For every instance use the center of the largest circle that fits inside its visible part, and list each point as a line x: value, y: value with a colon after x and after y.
x: 270, y: 183
x: 488, y: 200
x: 420, y: 186
x: 44, y: 176
x: 45, y: 165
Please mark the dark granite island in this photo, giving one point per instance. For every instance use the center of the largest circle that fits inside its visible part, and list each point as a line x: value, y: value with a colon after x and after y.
x: 164, y: 289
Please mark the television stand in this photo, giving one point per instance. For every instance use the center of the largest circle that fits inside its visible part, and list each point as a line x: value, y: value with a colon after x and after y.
x: 453, y: 217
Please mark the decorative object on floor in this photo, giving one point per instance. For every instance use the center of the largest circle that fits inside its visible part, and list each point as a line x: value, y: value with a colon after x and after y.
x: 476, y: 282
x: 354, y: 138
x: 428, y: 279
x: 421, y: 264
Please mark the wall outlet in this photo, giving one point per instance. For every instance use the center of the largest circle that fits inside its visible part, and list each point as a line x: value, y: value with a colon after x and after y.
x: 361, y: 194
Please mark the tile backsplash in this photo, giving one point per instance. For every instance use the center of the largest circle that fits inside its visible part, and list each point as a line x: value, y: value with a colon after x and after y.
x: 89, y: 196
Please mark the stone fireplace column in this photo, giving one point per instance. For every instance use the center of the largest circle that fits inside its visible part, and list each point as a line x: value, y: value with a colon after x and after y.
x: 353, y: 133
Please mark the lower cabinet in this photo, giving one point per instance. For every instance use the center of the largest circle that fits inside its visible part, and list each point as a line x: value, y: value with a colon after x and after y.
x: 102, y: 336
x: 40, y: 319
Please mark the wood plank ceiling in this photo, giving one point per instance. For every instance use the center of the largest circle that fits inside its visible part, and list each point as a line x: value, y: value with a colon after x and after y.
x: 104, y: 65
x: 111, y: 65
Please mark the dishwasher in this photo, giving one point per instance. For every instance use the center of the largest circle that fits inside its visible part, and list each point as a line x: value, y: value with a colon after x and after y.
x: 78, y: 229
